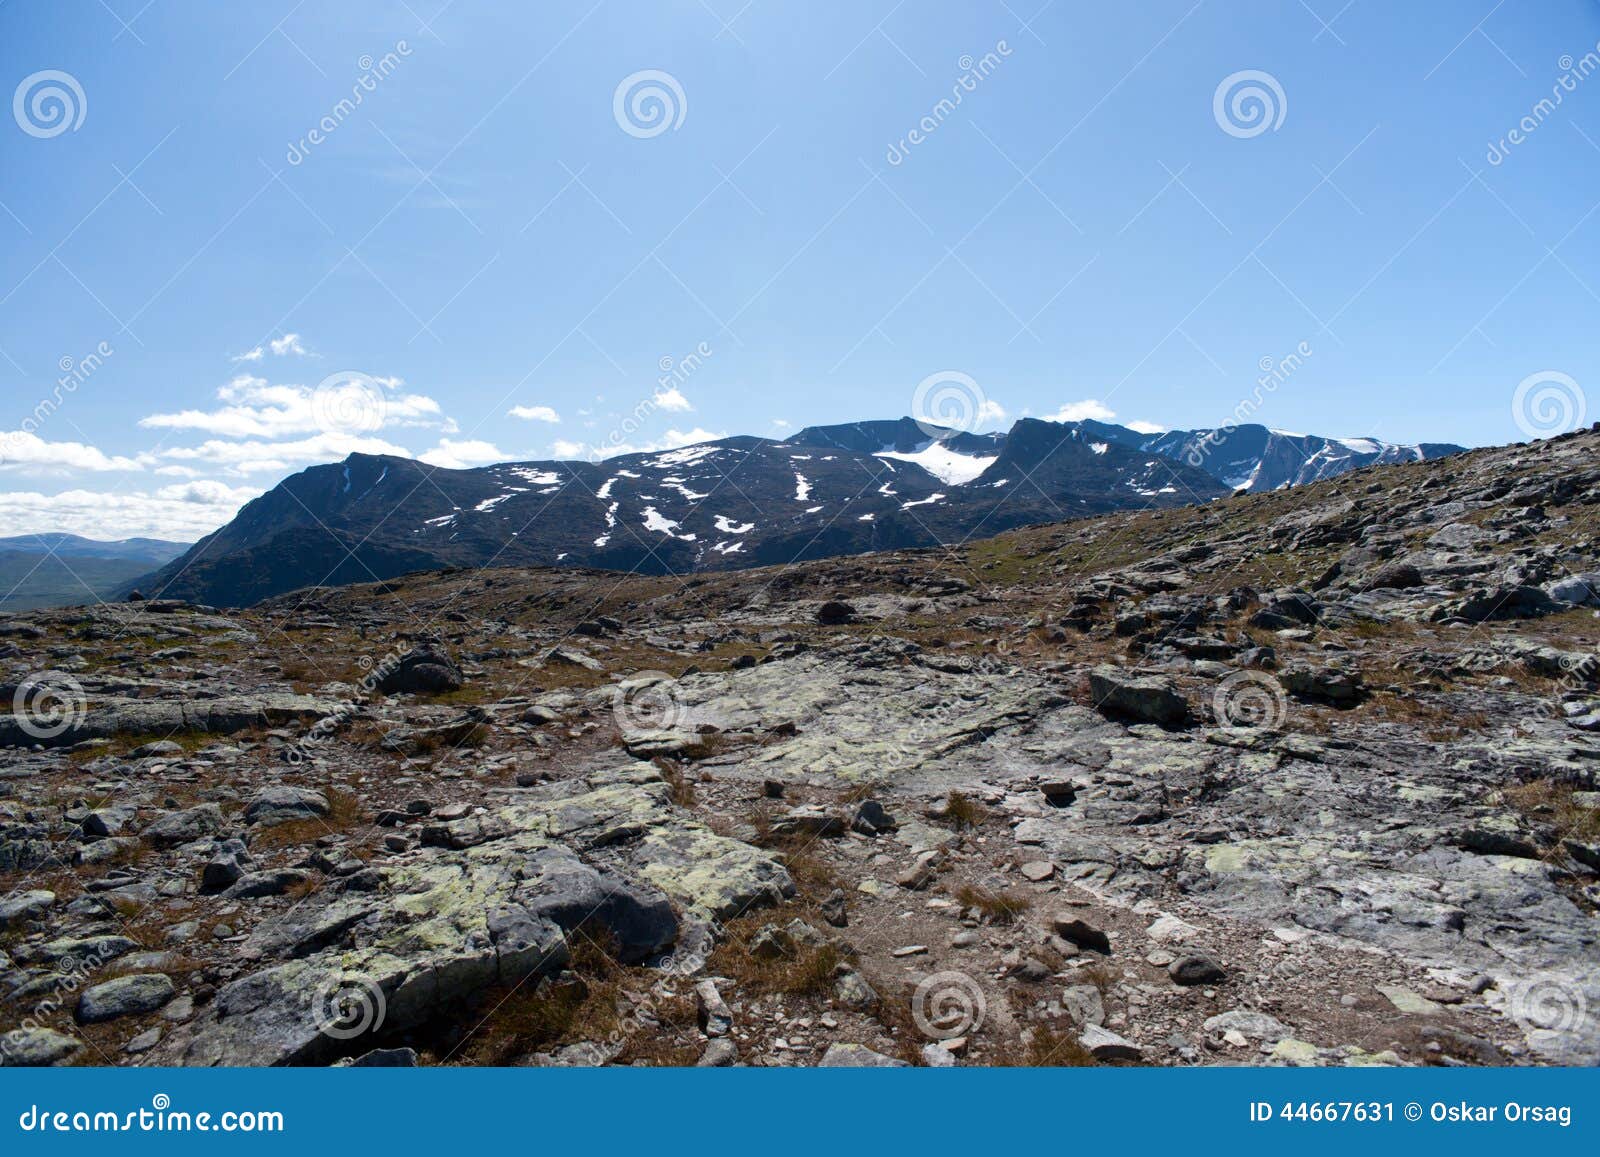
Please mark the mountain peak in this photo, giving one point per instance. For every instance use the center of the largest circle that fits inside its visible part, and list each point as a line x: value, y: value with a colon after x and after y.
x: 733, y: 502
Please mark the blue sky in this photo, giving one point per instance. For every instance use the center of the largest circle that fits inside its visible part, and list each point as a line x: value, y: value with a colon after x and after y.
x: 482, y: 234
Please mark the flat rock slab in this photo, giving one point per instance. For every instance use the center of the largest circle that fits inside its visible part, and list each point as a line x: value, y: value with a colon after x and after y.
x: 449, y: 921
x: 105, y: 718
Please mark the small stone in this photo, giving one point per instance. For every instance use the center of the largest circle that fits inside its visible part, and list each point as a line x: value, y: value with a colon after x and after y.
x: 1197, y: 969
x: 1038, y: 870
x: 144, y: 1042
x: 1031, y: 970
x: 125, y: 996
x: 1171, y: 930
x: 401, y: 1058
x: 1409, y: 1002
x: 715, y: 1018
x: 1108, y: 1046
x: 1083, y: 934
x: 37, y: 1047
x: 160, y: 749
x: 854, y: 1056
x: 921, y: 873
x: 910, y: 950
x: 1084, y: 1004
x: 852, y: 989
x: 771, y: 943
x: 720, y: 1053
x: 25, y: 906
x: 936, y: 1056
x: 833, y: 909
x: 834, y: 613
x: 1294, y: 1052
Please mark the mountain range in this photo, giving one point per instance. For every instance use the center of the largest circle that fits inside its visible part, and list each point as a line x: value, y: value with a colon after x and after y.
x: 45, y: 570
x: 732, y: 503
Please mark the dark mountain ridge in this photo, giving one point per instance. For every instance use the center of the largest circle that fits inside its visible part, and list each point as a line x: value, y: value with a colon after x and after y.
x: 727, y: 504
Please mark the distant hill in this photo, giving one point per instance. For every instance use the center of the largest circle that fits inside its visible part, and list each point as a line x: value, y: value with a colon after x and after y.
x: 52, y: 570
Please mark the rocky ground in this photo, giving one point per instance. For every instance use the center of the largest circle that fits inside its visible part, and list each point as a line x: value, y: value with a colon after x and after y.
x: 1302, y: 778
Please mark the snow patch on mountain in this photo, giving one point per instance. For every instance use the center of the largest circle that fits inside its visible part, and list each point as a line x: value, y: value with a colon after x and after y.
x: 942, y: 462
x: 536, y: 477
x: 655, y: 520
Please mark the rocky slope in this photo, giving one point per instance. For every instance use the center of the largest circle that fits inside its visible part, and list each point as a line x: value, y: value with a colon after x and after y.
x: 1307, y: 777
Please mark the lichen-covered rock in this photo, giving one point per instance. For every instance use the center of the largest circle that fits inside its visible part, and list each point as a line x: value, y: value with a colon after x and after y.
x: 615, y: 860
x: 1148, y: 698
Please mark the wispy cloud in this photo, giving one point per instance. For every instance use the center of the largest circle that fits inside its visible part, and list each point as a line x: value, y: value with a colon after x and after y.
x: 182, y: 512
x: 24, y: 451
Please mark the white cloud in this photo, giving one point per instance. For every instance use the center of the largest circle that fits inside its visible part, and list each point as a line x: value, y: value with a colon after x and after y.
x: 452, y: 455
x: 535, y: 413
x: 1143, y: 427
x: 1079, y: 411
x: 780, y: 423
x: 259, y: 457
x: 257, y: 409
x: 991, y: 411
x: 289, y: 343
x: 21, y: 450
x: 672, y: 399
x: 181, y: 512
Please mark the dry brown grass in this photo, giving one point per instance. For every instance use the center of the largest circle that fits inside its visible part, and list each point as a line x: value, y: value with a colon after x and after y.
x: 998, y: 907
x: 805, y: 971
x: 962, y: 812
x: 1550, y: 802
x: 1045, y: 1047
x: 537, y: 1015
x: 344, y: 813
x: 680, y: 785
x: 1102, y: 976
x: 1436, y: 722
